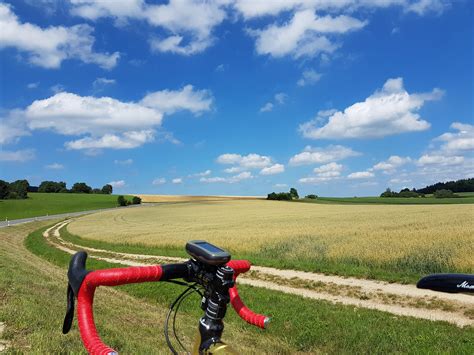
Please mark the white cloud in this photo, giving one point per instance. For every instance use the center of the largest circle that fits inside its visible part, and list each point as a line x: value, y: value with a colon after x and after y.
x: 361, y: 175
x: 250, y: 161
x: 280, y: 185
x: 324, y: 173
x: 460, y: 142
x: 117, y: 184
x: 320, y: 155
x: 12, y: 127
x: 439, y: 160
x: 201, y: 174
x: 273, y: 170
x: 261, y: 8
x: 159, y: 181
x: 177, y: 181
x: 100, y: 83
x: 54, y: 166
x: 189, y: 22
x: 309, y: 77
x: 57, y: 88
x: 127, y: 140
x: 329, y: 170
x: 267, y: 107
x: 124, y: 162
x: 280, y: 98
x: 49, y: 47
x: 17, y: 156
x: 33, y: 85
x: 304, y: 35
x: 107, y: 122
x: 392, y: 163
x: 229, y: 180
x: 171, y: 101
x: 389, y: 111
x: 233, y: 170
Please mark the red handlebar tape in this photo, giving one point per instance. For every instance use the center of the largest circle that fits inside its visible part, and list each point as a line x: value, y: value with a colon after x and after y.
x: 108, y: 277
x: 259, y: 320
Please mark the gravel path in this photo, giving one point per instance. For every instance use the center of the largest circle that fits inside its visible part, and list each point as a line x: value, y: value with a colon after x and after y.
x: 401, y: 300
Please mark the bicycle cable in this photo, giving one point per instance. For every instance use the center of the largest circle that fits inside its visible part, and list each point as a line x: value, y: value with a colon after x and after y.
x: 189, y: 290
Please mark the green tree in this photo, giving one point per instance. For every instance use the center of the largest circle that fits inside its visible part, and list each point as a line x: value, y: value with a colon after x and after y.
x: 19, y: 189
x: 81, y: 187
x: 136, y: 200
x: 294, y: 193
x: 443, y: 193
x: 121, y: 201
x: 4, y: 189
x: 311, y: 197
x: 52, y: 186
x: 107, y: 189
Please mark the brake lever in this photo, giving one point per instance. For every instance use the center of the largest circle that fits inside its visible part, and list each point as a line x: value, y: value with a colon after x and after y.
x: 69, y: 317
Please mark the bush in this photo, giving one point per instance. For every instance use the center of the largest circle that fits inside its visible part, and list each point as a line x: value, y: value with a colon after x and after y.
x: 121, y: 201
x: 311, y: 197
x: 136, y: 200
x: 96, y: 191
x: 443, y: 193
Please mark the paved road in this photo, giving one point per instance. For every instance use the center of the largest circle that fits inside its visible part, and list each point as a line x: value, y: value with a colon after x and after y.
x: 62, y: 215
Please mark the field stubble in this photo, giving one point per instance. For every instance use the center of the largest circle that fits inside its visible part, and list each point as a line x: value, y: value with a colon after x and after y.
x: 414, y: 239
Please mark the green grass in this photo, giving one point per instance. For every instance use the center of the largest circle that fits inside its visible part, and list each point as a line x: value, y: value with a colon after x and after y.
x: 298, y: 324
x: 42, y: 204
x: 465, y: 198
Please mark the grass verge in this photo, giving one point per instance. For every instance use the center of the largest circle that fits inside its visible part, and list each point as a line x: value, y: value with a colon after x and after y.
x: 298, y: 324
x: 41, y: 204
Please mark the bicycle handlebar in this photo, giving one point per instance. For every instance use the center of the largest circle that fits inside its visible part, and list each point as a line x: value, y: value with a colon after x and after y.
x: 119, y: 276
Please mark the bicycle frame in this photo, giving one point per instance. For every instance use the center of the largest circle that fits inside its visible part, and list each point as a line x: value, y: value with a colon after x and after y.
x: 218, y: 283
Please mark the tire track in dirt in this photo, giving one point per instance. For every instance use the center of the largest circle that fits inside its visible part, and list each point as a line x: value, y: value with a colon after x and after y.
x: 401, y: 300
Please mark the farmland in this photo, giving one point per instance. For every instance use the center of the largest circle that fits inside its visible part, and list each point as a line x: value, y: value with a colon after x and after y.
x: 465, y: 198
x: 390, y: 242
x: 41, y: 204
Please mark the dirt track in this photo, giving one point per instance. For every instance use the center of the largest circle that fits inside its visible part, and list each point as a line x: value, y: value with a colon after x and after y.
x: 401, y: 300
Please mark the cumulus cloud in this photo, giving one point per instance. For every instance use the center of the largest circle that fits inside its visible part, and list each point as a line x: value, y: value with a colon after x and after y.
x: 305, y: 35
x: 460, y: 142
x: 177, y: 181
x: 171, y: 101
x: 391, y: 164
x: 324, y: 173
x: 245, y: 175
x: 49, y: 47
x: 159, y: 181
x: 33, y: 85
x: 54, y: 166
x: 250, y: 161
x: 321, y: 155
x: 279, y: 99
x: 361, y: 175
x: 105, y: 122
x: 17, y: 155
x: 273, y: 170
x: 439, y: 160
x: 309, y: 77
x: 117, y: 184
x: 190, y: 23
x: 388, y: 111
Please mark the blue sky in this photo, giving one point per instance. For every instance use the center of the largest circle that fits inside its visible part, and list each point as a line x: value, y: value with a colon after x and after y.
x: 337, y: 98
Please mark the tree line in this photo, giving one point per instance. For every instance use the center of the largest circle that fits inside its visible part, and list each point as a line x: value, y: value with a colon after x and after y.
x: 288, y: 196
x: 19, y: 189
x: 439, y: 190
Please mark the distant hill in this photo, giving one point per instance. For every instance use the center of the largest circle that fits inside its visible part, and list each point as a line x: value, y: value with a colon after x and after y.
x: 463, y: 185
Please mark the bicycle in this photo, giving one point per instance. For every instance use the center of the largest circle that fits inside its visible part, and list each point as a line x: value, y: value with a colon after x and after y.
x: 209, y: 272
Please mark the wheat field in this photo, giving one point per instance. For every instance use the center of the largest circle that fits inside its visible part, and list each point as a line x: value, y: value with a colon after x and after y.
x: 419, y: 237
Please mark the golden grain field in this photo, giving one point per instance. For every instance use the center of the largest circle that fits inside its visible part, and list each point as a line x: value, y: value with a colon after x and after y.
x: 410, y: 236
x: 192, y: 198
